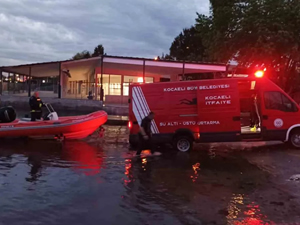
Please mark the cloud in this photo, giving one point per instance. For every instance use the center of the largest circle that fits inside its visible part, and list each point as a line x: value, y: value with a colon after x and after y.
x: 49, y: 30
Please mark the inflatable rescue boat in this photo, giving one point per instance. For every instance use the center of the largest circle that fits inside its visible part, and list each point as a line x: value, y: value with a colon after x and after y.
x: 69, y: 127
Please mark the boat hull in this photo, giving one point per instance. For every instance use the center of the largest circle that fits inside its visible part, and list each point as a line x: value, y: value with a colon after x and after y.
x: 72, y: 127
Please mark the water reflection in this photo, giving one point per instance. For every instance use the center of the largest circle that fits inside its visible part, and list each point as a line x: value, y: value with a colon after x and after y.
x: 35, y: 164
x: 233, y: 209
x: 59, y: 181
x: 89, y: 159
x: 144, y: 164
x: 166, y: 183
x: 242, y: 213
x: 79, y: 156
x: 196, y: 168
x: 128, y: 165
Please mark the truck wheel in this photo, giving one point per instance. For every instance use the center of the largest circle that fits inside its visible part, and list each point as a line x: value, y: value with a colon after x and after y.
x: 183, y: 143
x: 295, y: 139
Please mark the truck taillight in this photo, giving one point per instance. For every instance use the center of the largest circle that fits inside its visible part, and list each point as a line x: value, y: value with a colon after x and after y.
x: 129, y: 124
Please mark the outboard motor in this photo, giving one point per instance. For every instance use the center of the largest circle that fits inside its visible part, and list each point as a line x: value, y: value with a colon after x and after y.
x: 7, y: 114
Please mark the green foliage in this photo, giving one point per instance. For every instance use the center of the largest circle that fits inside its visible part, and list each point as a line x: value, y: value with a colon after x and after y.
x: 188, y: 46
x: 98, y: 51
x: 260, y: 32
x: 82, y: 55
x: 166, y: 57
x: 251, y: 32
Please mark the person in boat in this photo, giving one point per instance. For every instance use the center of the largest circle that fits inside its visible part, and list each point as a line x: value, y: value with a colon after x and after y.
x: 36, y: 105
x: 145, y: 135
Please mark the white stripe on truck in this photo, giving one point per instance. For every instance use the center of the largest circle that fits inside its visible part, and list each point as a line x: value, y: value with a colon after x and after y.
x: 140, y: 107
x: 141, y: 111
x: 134, y: 107
x: 147, y: 109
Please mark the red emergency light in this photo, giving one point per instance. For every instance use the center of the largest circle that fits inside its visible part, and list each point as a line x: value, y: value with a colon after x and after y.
x: 259, y: 73
x: 129, y: 124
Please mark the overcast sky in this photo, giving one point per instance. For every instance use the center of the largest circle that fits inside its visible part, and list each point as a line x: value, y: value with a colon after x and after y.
x: 50, y: 30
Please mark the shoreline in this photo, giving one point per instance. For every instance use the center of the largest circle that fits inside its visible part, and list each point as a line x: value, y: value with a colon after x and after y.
x: 77, y: 105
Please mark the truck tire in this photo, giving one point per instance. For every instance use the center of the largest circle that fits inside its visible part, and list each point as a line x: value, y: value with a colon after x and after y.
x: 183, y: 143
x: 294, y: 139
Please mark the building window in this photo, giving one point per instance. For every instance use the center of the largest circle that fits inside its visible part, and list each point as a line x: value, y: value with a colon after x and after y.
x: 105, y: 80
x: 149, y: 80
x: 115, y: 85
x: 275, y: 100
x: 134, y: 79
x: 111, y: 84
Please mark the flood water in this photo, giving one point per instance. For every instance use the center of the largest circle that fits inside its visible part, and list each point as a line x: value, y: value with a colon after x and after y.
x: 99, y: 182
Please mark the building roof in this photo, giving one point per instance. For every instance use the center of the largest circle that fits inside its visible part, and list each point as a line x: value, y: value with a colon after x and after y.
x: 47, y: 69
x: 43, y: 69
x: 164, y: 60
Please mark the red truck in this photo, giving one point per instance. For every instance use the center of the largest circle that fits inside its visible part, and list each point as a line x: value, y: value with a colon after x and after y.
x: 215, y: 110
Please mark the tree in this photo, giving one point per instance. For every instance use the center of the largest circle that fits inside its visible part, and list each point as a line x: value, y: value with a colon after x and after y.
x: 203, y: 28
x: 166, y: 57
x: 258, y: 32
x: 262, y: 33
x: 82, y: 55
x: 217, y: 28
x: 98, y: 51
x: 188, y: 46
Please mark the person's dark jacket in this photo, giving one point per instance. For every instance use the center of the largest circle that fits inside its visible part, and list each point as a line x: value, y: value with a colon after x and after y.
x: 35, y: 103
x: 146, y: 125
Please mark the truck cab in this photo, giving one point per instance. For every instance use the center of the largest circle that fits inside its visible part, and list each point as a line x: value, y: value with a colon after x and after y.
x: 232, y: 109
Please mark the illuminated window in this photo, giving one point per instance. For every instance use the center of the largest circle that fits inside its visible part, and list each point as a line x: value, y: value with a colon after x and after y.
x: 133, y: 79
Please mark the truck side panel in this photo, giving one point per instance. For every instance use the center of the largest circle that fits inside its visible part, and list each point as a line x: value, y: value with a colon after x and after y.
x: 171, y: 110
x: 182, y: 106
x: 219, y: 111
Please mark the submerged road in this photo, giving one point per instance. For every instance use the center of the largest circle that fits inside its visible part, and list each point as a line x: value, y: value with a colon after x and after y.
x: 98, y: 182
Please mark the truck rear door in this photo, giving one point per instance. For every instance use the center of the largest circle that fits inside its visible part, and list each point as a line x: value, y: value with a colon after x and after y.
x: 219, y: 111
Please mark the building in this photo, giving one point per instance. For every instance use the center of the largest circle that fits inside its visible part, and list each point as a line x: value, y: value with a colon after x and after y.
x: 104, y: 78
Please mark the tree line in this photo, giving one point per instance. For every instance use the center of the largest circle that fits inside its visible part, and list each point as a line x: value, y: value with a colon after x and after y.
x: 261, y: 33
x: 98, y: 51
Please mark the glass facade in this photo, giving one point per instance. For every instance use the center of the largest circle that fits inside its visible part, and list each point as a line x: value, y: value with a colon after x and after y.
x: 116, y: 87
x: 77, y: 86
x: 134, y: 79
x: 115, y: 82
x: 14, y: 84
